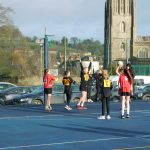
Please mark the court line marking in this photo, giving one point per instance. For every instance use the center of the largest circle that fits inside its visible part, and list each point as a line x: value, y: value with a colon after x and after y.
x: 28, y: 117
x: 71, y: 142
x: 60, y: 115
x: 61, y: 143
x: 134, y: 148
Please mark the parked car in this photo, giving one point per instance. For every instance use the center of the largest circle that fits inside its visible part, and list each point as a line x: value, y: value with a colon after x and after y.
x: 7, y: 96
x: 6, y: 85
x: 37, y: 96
x: 143, y: 93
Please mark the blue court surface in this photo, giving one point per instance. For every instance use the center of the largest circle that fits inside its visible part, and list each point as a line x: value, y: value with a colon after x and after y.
x: 31, y: 128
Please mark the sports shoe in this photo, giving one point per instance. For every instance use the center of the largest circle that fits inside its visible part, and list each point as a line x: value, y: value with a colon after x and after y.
x: 83, y: 107
x: 122, y: 116
x: 79, y: 108
x: 48, y: 108
x: 67, y: 107
x: 101, y: 117
x: 108, y: 117
x: 90, y: 101
x: 127, y: 116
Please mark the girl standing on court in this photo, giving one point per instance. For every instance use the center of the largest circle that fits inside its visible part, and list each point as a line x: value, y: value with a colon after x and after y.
x: 105, y: 86
x: 67, y: 81
x: 125, y: 85
x: 48, y: 80
x: 84, y: 85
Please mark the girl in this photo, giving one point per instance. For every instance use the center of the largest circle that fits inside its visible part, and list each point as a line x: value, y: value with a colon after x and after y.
x: 67, y: 81
x: 48, y: 84
x: 98, y: 82
x: 125, y: 83
x: 106, y: 86
x: 119, y: 68
x: 84, y: 85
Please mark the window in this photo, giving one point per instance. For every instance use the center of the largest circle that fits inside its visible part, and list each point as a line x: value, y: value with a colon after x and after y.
x: 116, y: 6
x: 122, y: 27
x: 123, y: 6
x: 123, y: 47
x: 128, y: 6
x: 143, y: 53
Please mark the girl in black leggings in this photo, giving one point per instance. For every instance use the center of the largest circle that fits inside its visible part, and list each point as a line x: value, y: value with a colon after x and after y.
x: 67, y: 81
x: 106, y: 86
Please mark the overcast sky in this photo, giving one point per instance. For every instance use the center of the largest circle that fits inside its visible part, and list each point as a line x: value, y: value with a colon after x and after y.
x: 71, y: 18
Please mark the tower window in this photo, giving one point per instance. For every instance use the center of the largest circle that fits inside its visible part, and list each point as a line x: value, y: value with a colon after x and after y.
x: 123, y: 6
x: 122, y: 27
x: 123, y: 47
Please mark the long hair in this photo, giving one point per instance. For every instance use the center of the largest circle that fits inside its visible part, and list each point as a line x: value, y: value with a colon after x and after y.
x: 128, y: 75
x: 105, y: 74
x: 45, y: 72
x: 66, y: 73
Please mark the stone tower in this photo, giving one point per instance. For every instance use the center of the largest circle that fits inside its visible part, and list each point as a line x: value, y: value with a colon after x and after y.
x: 120, y: 31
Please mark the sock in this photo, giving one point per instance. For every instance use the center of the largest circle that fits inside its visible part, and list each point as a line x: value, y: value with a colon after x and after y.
x: 82, y: 104
x: 128, y: 110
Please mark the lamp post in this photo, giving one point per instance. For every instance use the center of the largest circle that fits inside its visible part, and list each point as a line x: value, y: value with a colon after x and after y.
x: 65, y: 44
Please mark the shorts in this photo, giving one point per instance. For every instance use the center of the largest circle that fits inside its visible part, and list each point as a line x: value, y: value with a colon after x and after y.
x: 125, y: 94
x: 47, y: 90
x: 83, y: 88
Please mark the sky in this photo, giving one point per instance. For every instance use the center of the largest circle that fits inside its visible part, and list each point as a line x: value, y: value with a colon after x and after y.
x: 72, y: 18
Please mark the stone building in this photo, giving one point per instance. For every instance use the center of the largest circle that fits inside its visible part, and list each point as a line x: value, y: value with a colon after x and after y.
x: 121, y: 41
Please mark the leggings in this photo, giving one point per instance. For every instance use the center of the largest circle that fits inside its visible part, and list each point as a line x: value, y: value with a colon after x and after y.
x: 68, y: 96
x: 105, y: 105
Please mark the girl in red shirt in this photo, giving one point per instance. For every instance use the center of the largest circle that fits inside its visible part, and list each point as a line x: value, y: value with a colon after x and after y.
x: 125, y: 86
x: 48, y: 80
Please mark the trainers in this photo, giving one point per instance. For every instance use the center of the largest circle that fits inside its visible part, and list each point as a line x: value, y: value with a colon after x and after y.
x: 90, y: 101
x: 83, y: 107
x: 48, y: 108
x: 108, y: 117
x: 127, y: 116
x: 67, y: 107
x: 122, y: 116
x: 79, y: 108
x: 101, y: 117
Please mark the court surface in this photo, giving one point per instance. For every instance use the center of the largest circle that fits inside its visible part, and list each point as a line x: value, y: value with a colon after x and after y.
x: 31, y: 128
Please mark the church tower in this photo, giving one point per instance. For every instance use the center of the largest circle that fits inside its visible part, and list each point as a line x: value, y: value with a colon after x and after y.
x: 120, y: 31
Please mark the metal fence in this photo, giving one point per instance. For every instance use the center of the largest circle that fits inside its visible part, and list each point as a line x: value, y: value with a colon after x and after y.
x: 141, y: 70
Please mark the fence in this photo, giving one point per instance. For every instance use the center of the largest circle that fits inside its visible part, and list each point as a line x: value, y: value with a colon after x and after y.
x: 141, y: 70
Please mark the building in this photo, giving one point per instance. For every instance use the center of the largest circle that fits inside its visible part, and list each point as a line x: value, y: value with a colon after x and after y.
x: 121, y: 41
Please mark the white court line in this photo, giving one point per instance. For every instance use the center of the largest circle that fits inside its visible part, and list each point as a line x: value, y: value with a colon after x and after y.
x: 61, y: 143
x: 28, y: 117
x: 71, y: 142
x: 60, y: 115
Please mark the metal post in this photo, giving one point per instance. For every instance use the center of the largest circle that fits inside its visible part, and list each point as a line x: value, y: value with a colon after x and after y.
x: 65, y: 52
x: 46, y: 52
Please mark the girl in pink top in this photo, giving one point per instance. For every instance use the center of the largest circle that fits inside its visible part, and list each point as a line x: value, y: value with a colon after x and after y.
x: 125, y: 86
x: 48, y: 80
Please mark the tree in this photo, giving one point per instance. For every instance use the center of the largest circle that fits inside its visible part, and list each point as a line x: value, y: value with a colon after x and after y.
x: 4, y: 15
x: 63, y: 40
x: 74, y: 41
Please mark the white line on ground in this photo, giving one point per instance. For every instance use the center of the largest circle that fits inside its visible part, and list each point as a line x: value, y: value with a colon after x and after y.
x: 69, y: 142
x: 61, y: 143
x: 60, y: 115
